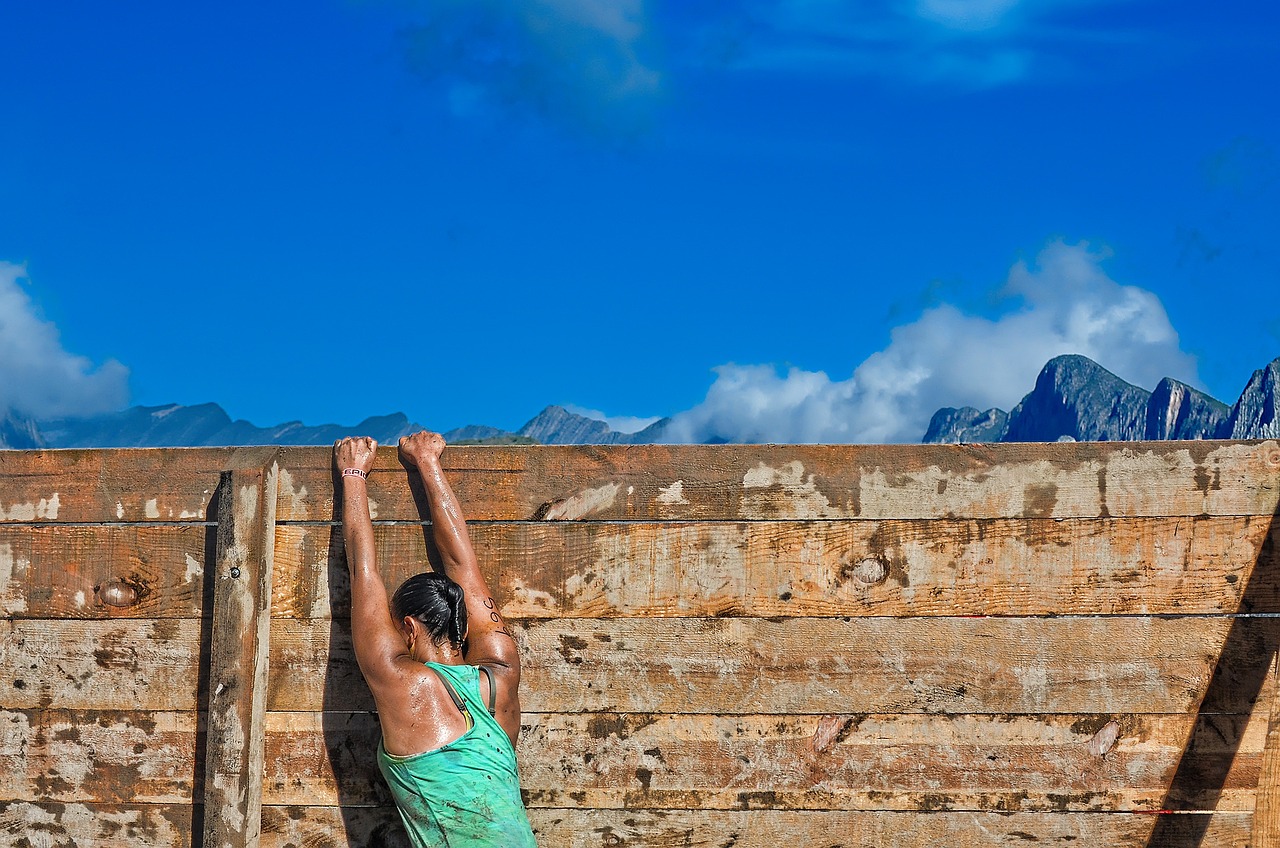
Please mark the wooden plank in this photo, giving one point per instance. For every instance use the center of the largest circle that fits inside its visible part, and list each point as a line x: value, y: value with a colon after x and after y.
x: 61, y: 571
x: 801, y: 665
x: 61, y: 486
x: 715, y: 481
x: 239, y: 650
x: 804, y: 482
x: 98, y: 756
x: 331, y: 827
x: 824, y: 568
x: 28, y: 824
x: 836, y: 762
x: 125, y: 664
x: 813, y: 665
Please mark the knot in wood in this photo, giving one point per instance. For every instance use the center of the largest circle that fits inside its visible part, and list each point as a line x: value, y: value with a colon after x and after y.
x: 117, y: 593
x: 870, y: 571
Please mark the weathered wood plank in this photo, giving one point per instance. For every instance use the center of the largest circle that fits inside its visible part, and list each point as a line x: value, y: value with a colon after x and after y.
x: 838, y: 762
x: 331, y: 827
x: 98, y: 756
x: 239, y: 650
x: 61, y: 571
x: 729, y: 666
x: 51, y: 824
x: 814, y: 665
x: 124, y: 664
x: 800, y: 482
x: 825, y: 568
x: 60, y: 486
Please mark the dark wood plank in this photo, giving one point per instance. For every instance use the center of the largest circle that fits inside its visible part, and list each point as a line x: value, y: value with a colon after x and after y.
x: 52, y: 824
x: 63, y: 571
x: 331, y: 827
x: 60, y: 486
x: 816, y: 665
x: 821, y: 568
x: 239, y: 650
x: 1010, y: 763
x: 804, y: 482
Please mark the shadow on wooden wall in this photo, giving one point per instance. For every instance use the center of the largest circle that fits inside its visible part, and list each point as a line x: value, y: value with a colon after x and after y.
x: 1239, y: 679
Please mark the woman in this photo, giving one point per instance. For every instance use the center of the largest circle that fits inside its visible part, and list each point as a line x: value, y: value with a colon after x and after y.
x: 443, y: 670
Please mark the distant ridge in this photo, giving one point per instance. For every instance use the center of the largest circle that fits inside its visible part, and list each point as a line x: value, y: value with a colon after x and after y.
x: 204, y: 425
x: 1074, y: 398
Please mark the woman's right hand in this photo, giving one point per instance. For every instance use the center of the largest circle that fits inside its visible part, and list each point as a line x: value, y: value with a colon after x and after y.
x: 354, y: 452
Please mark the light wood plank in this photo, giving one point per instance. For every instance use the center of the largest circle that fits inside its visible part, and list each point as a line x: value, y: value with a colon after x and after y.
x: 817, y: 666
x: 29, y: 824
x: 239, y: 650
x: 61, y: 486
x: 326, y: 827
x: 728, y: 666
x: 803, y: 482
x: 824, y: 568
x: 124, y: 664
x: 837, y: 762
x: 98, y: 756
x: 61, y: 571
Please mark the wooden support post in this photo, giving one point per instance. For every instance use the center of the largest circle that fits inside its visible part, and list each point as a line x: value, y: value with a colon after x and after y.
x: 238, y: 653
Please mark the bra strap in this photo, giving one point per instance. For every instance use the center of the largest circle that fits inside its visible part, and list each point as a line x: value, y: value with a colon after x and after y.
x: 453, y: 693
x: 493, y: 692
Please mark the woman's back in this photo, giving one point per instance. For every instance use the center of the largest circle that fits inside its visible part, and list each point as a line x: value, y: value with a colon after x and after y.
x: 467, y: 792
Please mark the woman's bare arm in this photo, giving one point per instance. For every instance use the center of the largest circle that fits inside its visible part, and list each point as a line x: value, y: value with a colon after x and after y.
x: 488, y: 642
x: 378, y: 644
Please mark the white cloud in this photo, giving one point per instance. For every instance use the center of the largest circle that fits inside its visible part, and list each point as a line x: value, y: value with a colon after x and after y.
x: 37, y: 377
x: 968, y: 43
x: 617, y: 423
x: 1068, y: 304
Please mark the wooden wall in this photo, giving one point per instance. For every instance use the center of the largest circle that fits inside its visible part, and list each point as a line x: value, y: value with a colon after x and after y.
x: 740, y: 646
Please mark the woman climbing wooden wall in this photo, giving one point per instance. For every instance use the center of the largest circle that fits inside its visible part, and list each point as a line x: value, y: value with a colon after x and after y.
x: 728, y: 645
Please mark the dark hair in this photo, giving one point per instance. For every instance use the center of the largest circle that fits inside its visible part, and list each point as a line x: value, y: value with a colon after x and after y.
x: 436, y: 601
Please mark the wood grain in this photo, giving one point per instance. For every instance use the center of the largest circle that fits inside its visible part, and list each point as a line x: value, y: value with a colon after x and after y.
x: 331, y: 827
x: 835, y: 762
x: 59, y: 571
x: 817, y: 666
x: 820, y: 568
x: 61, y: 486
x: 804, y: 482
x: 51, y: 824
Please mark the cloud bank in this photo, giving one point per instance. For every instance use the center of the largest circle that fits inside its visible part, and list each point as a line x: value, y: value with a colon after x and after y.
x: 1063, y: 303
x: 38, y: 378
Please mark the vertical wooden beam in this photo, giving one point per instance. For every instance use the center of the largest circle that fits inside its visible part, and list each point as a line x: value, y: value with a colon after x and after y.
x: 1266, y: 813
x: 238, y: 653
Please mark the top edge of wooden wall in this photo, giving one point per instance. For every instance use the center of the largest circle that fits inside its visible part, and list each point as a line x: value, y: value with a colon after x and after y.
x: 679, y: 482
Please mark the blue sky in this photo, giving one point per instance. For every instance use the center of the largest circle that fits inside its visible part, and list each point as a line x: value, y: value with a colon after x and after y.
x: 779, y: 221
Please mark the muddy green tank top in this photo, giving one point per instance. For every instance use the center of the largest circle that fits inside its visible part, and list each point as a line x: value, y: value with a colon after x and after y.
x: 465, y: 794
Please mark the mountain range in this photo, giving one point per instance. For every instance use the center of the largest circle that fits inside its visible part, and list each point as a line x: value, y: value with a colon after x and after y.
x: 1074, y: 398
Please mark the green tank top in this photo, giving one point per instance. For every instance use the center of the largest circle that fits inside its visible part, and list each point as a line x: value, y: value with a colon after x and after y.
x: 465, y: 794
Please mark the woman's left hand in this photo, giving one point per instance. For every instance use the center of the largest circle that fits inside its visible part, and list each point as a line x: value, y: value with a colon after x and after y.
x: 354, y: 452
